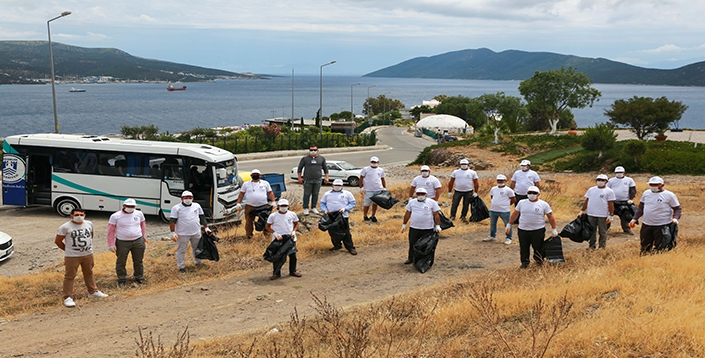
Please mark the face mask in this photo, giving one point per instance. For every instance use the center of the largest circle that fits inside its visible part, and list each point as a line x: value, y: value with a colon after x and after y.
x: 129, y: 210
x: 254, y: 176
x: 601, y: 184
x: 313, y: 152
x: 373, y: 165
x: 533, y: 197
x: 463, y: 166
x: 421, y: 197
x: 620, y: 175
x: 78, y: 219
x: 501, y: 185
x: 283, y: 209
x: 654, y: 189
x: 524, y: 168
x: 188, y: 201
x: 337, y: 188
x: 425, y: 174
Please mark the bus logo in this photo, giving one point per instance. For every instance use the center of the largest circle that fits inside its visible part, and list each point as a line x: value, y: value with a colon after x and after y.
x: 13, y: 169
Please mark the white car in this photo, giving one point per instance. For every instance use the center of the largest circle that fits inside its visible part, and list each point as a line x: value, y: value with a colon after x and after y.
x: 6, y: 247
x: 337, y: 169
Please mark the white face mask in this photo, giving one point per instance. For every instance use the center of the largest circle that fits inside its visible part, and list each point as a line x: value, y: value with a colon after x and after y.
x: 601, y: 184
x: 283, y: 209
x: 463, y: 166
x: 425, y: 174
x: 337, y: 188
x: 619, y: 175
x: 373, y: 165
x: 533, y: 197
x: 188, y: 201
x: 129, y: 210
x: 654, y: 189
x: 524, y: 168
x: 78, y: 219
x: 421, y: 197
x: 313, y: 152
x: 502, y: 184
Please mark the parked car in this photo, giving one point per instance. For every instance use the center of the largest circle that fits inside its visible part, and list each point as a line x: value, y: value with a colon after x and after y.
x: 448, y: 138
x: 337, y: 169
x: 6, y: 248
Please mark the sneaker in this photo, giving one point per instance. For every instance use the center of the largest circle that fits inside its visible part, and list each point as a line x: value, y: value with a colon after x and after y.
x: 141, y: 281
x: 508, y: 241
x: 295, y: 274
x: 315, y: 211
x: 373, y: 219
x: 98, y: 294
x: 68, y: 302
x: 182, y: 271
x: 365, y: 218
x: 489, y: 238
x: 305, y: 211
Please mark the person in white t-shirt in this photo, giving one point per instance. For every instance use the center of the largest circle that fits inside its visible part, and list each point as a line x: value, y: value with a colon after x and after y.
x: 127, y: 231
x: 342, y: 201
x: 464, y: 184
x: 502, y: 199
x: 658, y: 207
x: 372, y: 182
x: 256, y: 192
x: 185, y: 223
x: 428, y: 182
x: 280, y: 223
x: 523, y: 179
x: 532, y: 226
x: 75, y: 238
x: 599, y: 206
x: 624, y: 189
x: 423, y: 217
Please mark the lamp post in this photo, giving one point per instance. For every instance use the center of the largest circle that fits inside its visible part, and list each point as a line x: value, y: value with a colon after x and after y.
x: 351, y: 100
x: 369, y: 109
x: 320, y: 103
x: 51, y: 62
x: 292, y: 99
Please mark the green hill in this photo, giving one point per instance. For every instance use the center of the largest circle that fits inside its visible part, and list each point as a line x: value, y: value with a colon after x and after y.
x: 21, y: 61
x: 485, y: 64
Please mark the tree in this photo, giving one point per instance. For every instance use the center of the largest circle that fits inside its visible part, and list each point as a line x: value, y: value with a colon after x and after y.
x: 599, y: 138
x: 380, y: 104
x: 507, y: 112
x: 140, y: 132
x: 555, y: 91
x: 644, y: 115
x: 417, y: 110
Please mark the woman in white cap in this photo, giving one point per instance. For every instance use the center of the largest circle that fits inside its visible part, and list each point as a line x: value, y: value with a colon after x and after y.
x: 624, y: 189
x: 284, y: 222
x: 428, y: 182
x: 372, y: 182
x: 532, y: 226
x: 502, y: 198
x: 257, y: 191
x: 185, y: 221
x: 127, y: 232
x: 599, y: 206
x: 466, y: 184
x: 342, y: 201
x: 659, y: 207
x: 423, y: 218
x: 523, y: 179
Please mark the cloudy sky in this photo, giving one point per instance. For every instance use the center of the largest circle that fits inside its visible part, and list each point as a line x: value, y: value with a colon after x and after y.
x: 364, y: 35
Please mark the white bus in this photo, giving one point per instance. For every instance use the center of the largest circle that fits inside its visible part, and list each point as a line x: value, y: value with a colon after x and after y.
x: 99, y: 173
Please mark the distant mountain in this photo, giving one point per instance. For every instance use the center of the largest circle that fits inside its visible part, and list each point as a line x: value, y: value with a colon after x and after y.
x: 485, y: 64
x: 21, y: 61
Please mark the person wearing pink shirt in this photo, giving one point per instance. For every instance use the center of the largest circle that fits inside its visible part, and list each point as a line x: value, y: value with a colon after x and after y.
x: 126, y: 235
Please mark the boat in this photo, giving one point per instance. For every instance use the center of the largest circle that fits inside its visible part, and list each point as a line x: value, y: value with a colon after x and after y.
x: 77, y: 90
x: 171, y: 87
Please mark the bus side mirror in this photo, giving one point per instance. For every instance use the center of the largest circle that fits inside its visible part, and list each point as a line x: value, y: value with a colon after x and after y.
x: 222, y: 173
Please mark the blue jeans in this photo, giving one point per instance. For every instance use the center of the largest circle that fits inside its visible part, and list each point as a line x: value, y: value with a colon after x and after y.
x: 311, y: 189
x: 493, y: 222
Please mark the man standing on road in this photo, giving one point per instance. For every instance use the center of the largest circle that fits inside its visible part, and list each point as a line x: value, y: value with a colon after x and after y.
x: 342, y: 201
x: 257, y: 191
x: 659, y: 207
x: 599, y: 205
x: 372, y: 182
x: 428, y: 182
x: 523, y: 179
x: 466, y: 183
x: 127, y: 232
x: 624, y: 189
x: 75, y: 237
x: 502, y: 199
x: 310, y: 168
x: 185, y: 223
x: 423, y: 217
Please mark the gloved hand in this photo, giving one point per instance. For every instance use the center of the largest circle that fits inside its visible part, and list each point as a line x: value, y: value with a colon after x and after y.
x: 208, y: 231
x: 609, y: 218
x: 277, y: 236
x: 238, y: 207
x: 508, y: 229
x: 474, y: 194
x: 581, y: 213
x: 403, y: 227
x: 632, y: 224
x: 554, y: 233
x: 272, y: 203
x: 173, y: 236
x: 293, y: 235
x: 630, y: 202
x: 450, y: 195
x: 437, y: 228
x: 112, y: 249
x: 675, y: 221
x: 342, y: 210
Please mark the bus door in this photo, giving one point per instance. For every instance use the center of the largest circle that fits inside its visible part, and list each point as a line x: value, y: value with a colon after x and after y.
x: 173, y: 184
x: 39, y: 180
x: 14, y: 180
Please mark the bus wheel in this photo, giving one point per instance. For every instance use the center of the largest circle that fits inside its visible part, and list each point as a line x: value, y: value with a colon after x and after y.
x: 163, y: 216
x: 65, y: 206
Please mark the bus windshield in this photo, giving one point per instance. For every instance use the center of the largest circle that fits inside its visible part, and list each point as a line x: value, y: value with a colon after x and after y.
x: 230, y: 176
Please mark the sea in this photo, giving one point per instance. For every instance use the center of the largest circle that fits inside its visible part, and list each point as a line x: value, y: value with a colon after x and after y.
x: 104, y: 108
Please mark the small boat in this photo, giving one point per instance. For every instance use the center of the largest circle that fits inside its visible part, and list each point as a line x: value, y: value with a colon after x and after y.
x: 77, y: 90
x: 171, y: 87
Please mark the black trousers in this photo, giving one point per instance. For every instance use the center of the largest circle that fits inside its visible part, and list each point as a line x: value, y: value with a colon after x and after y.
x: 531, y: 239
x: 457, y: 195
x: 651, y: 237
x: 278, y: 265
x: 415, y: 235
x: 345, y: 239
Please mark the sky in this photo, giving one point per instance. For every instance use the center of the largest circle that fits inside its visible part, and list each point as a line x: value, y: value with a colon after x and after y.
x: 274, y: 36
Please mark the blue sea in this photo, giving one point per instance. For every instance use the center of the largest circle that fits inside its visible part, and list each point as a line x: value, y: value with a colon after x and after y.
x: 104, y: 108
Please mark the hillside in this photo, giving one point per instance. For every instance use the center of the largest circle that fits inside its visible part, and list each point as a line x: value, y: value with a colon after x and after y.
x: 24, y: 60
x: 485, y: 64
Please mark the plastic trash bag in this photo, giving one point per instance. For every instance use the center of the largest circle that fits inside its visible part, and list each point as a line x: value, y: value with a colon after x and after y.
x: 425, y: 251
x: 670, y: 234
x: 478, y: 210
x: 260, y: 215
x: 553, y: 250
x: 384, y: 199
x: 578, y: 230
x: 206, y: 249
x: 280, y: 248
x: 445, y: 222
x: 624, y: 211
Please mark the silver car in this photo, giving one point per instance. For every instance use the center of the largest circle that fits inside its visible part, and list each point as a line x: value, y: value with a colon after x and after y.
x: 338, y: 169
x: 6, y: 247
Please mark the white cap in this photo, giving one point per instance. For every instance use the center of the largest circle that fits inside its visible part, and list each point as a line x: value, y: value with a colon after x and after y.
x: 464, y: 161
x: 655, y: 180
x: 337, y: 182
x: 603, y: 177
x: 501, y: 177
x: 425, y: 167
x: 420, y: 191
x: 619, y: 169
x: 255, y: 171
x: 283, y: 202
x: 533, y: 188
x: 186, y: 193
x: 129, y: 202
x: 374, y: 159
x: 525, y: 162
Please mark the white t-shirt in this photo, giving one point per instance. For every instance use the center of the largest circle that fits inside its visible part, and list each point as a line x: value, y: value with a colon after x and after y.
x: 464, y: 179
x: 336, y: 200
x: 532, y: 214
x: 78, y: 238
x: 658, y: 207
x: 188, y: 222
x: 430, y: 184
x: 621, y: 187
x: 256, y: 192
x: 501, y: 199
x: 127, y: 226
x: 282, y: 224
x: 523, y: 180
x: 422, y: 213
x: 598, y: 201
x: 373, y: 178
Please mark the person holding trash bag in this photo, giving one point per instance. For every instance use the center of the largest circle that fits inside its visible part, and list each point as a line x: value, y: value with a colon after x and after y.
x: 185, y: 221
x: 659, y: 208
x: 339, y: 201
x: 284, y: 222
x: 372, y: 182
x: 502, y: 199
x: 428, y: 182
x: 257, y: 192
x: 532, y: 226
x: 423, y: 217
x: 466, y: 183
x: 624, y: 189
x: 599, y: 206
x: 522, y: 180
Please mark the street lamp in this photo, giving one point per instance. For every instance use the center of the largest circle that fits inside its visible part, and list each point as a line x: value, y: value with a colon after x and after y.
x: 320, y: 103
x: 51, y: 61
x: 351, y: 100
x: 369, y: 109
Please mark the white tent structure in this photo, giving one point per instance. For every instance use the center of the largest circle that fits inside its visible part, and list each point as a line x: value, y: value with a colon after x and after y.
x: 444, y: 122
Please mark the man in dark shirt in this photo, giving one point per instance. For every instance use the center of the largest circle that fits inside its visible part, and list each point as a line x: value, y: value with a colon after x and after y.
x: 310, y: 172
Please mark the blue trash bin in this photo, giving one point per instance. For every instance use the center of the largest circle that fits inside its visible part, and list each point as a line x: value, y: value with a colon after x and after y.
x: 276, y: 181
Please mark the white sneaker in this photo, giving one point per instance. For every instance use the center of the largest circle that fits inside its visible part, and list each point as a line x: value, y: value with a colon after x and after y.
x: 489, y: 238
x: 315, y: 211
x: 98, y: 294
x: 305, y: 211
x: 68, y: 302
x: 508, y: 241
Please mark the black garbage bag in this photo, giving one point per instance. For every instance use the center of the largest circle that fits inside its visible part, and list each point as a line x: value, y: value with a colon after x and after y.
x: 624, y: 211
x: 553, y: 250
x: 206, y: 249
x: 425, y: 251
x: 445, y: 222
x: 384, y: 199
x: 280, y: 248
x: 260, y: 215
x: 578, y: 230
x: 670, y: 234
x: 478, y: 210
x: 332, y: 221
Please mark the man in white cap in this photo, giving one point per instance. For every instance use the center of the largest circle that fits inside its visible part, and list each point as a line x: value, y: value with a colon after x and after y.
x: 428, y: 182
x: 502, y: 198
x: 423, y: 218
x: 465, y: 183
x: 532, y: 225
x: 186, y: 219
x: 599, y: 205
x: 127, y: 232
x: 372, y: 182
x: 256, y: 191
x: 624, y: 189
x: 523, y: 179
x: 284, y: 222
x: 659, y: 207
x: 342, y: 201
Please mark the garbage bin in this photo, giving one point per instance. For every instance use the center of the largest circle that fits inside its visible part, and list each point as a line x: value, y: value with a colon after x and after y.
x: 276, y: 181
